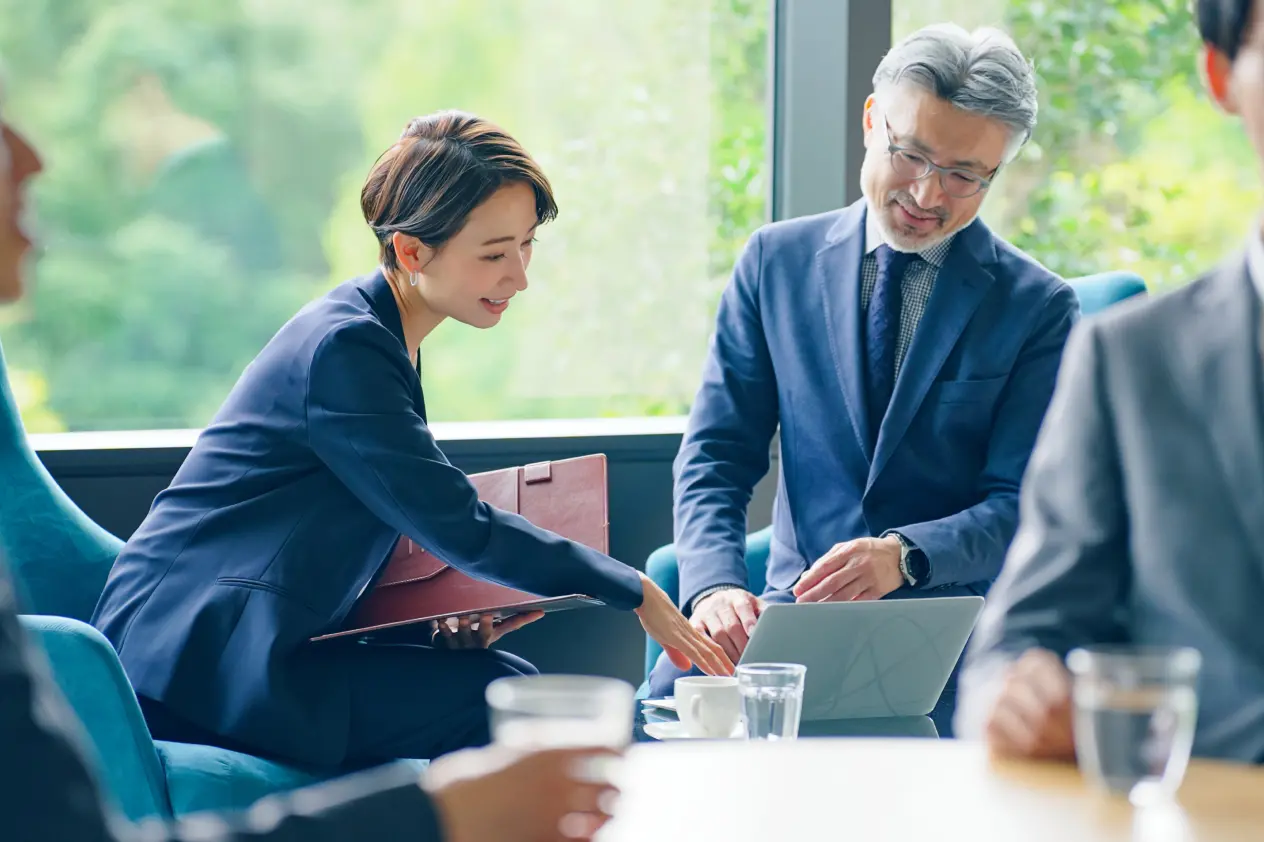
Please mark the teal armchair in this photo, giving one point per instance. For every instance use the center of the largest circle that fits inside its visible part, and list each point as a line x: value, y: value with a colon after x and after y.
x: 1095, y: 293
x: 60, y: 559
x: 1098, y: 292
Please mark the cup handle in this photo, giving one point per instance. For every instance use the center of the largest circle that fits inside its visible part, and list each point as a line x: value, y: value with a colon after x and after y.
x: 695, y: 710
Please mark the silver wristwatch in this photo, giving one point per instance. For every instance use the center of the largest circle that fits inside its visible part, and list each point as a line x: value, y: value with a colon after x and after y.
x: 905, y: 549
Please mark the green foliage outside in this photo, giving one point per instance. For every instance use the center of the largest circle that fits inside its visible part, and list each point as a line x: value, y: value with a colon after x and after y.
x: 1131, y: 167
x: 205, y: 159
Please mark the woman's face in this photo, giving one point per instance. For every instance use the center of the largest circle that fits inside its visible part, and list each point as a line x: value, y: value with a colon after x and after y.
x: 18, y: 163
x: 475, y: 274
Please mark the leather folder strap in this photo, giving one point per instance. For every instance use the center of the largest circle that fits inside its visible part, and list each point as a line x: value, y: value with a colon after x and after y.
x: 537, y: 472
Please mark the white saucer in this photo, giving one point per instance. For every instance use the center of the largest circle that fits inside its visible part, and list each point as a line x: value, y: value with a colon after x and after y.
x: 668, y: 731
x: 668, y: 703
x: 676, y: 731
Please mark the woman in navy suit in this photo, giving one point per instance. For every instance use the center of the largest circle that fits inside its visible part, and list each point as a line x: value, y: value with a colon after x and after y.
x: 292, y: 499
x: 49, y: 791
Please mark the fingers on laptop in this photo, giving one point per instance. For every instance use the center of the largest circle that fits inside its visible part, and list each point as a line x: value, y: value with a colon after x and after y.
x: 748, y: 611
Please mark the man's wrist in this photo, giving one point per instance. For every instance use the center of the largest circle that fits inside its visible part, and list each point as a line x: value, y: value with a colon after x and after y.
x: 914, y: 564
x: 697, y: 600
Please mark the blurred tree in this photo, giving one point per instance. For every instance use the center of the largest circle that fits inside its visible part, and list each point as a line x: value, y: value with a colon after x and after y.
x: 172, y: 256
x: 205, y: 159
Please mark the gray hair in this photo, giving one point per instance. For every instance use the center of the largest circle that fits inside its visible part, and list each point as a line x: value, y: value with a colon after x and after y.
x: 983, y: 72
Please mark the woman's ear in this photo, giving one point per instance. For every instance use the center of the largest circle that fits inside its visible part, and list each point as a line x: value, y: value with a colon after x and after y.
x: 411, y: 253
x: 1217, y: 73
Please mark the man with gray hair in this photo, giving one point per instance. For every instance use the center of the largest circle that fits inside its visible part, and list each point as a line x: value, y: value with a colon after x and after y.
x: 907, y: 353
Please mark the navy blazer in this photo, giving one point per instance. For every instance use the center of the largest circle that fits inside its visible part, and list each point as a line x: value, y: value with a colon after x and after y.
x: 788, y: 350
x: 286, y: 510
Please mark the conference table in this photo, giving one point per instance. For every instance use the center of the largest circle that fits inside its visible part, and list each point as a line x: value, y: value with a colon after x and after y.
x: 876, y: 789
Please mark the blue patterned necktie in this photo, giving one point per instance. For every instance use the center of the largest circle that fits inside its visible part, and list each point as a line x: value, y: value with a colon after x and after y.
x: 882, y: 334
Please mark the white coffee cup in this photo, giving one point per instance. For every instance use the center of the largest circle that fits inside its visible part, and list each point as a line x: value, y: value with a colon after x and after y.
x: 708, y: 706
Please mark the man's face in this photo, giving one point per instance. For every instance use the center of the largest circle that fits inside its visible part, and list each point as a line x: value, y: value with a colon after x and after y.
x: 915, y: 214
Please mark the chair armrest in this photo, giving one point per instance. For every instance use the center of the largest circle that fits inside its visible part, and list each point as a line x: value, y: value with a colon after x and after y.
x: 90, y: 677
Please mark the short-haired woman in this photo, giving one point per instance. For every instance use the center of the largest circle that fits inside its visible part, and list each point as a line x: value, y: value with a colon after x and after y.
x: 320, y: 458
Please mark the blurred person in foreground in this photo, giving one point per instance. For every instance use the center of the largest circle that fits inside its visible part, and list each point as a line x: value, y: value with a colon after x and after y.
x: 1142, y: 517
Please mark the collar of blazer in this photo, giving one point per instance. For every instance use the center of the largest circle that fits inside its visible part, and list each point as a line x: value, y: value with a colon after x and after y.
x: 377, y: 291
x: 1220, y: 370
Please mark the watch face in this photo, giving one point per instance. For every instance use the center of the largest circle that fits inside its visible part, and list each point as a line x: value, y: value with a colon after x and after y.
x: 919, y: 565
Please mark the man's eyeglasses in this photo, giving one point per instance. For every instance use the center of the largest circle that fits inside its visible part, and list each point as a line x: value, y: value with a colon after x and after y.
x: 913, y: 165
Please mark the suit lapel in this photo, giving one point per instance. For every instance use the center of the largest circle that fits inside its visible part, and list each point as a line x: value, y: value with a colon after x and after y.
x: 1224, y: 382
x: 960, y: 285
x: 837, y: 272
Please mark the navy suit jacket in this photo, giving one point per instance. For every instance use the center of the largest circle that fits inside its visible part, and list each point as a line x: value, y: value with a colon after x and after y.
x: 788, y: 350
x: 284, y: 513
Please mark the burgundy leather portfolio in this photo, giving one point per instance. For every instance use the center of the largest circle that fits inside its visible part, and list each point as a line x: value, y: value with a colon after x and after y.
x: 567, y: 497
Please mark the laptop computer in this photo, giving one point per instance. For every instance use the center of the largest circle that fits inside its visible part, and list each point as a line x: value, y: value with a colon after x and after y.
x: 879, y: 658
x: 882, y: 658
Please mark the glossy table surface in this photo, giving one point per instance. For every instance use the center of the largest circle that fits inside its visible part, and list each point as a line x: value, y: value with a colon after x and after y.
x: 907, y: 789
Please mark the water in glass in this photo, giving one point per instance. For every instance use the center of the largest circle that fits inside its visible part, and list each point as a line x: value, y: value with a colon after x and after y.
x: 772, y: 699
x: 1136, y: 742
x: 772, y: 713
x: 1135, y: 713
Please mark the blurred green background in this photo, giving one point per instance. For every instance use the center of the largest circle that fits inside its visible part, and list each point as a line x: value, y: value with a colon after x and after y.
x: 205, y: 159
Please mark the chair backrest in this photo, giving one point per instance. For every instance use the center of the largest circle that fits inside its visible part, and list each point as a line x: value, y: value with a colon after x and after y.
x: 58, y: 556
x: 87, y: 671
x: 1097, y: 292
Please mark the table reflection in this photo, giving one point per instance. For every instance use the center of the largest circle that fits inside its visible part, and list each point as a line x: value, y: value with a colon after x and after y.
x: 918, y: 727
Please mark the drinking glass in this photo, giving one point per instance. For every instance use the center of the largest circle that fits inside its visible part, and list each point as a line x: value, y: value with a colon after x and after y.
x: 559, y: 711
x: 1135, y: 710
x: 772, y: 700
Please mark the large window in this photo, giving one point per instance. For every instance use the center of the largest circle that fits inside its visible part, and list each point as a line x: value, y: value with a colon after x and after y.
x: 1131, y: 167
x: 204, y: 164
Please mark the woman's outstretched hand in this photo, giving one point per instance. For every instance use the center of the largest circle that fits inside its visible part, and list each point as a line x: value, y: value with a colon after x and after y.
x: 684, y: 645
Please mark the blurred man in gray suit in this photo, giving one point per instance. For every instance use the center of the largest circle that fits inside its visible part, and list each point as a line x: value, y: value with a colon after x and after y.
x: 1142, y: 512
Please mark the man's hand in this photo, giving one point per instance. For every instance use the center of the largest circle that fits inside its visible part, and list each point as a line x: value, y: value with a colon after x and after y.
x: 684, y: 644
x: 1032, y: 715
x: 728, y: 617
x: 476, y: 632
x: 488, y: 794
x: 867, y: 568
